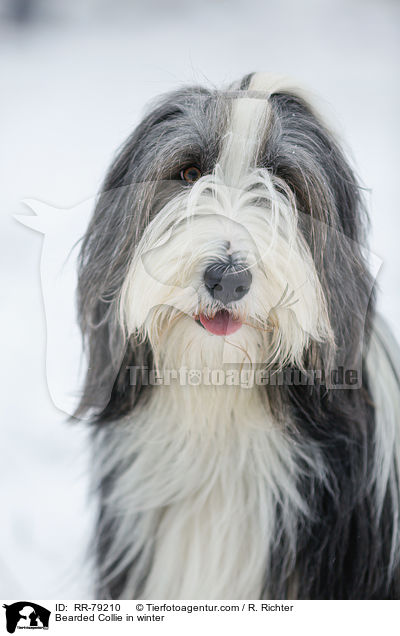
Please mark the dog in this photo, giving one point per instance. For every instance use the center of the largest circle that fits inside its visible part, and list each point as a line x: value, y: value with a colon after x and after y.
x: 243, y: 391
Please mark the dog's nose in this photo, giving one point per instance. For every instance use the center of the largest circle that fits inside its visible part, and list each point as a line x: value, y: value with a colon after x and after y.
x: 227, y: 283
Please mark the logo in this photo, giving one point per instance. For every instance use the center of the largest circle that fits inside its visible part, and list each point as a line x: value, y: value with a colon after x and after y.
x: 26, y: 615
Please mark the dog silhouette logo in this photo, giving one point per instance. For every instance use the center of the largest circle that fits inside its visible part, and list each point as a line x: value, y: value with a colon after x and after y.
x: 26, y: 615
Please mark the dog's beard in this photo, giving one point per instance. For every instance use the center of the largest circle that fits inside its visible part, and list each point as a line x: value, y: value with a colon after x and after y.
x: 164, y: 293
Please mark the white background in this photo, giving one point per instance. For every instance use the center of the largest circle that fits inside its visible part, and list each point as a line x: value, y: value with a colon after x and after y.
x: 74, y: 81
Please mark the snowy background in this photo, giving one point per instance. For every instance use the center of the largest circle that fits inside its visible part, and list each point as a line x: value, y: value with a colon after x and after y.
x: 74, y: 78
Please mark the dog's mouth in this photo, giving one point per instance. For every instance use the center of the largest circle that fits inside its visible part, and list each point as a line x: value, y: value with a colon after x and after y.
x: 222, y: 323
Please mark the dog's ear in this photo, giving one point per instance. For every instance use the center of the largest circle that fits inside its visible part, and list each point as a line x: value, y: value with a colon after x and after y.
x: 303, y: 153
x: 306, y: 155
x: 106, y: 252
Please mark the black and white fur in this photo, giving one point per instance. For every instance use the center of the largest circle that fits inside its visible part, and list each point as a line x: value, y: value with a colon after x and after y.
x: 226, y: 492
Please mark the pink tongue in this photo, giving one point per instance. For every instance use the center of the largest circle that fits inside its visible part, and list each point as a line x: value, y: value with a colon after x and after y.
x: 222, y: 324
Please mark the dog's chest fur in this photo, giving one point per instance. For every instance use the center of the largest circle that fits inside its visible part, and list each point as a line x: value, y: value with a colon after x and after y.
x: 205, y: 476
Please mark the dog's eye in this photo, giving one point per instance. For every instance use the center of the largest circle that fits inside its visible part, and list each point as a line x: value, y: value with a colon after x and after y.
x: 191, y: 174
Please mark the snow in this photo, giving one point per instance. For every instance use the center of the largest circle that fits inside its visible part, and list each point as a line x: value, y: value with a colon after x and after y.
x: 74, y: 83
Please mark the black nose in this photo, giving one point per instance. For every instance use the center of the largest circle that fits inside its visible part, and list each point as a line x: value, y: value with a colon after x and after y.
x: 227, y: 283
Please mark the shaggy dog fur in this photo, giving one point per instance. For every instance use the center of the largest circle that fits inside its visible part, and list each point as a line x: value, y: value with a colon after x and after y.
x: 285, y: 487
